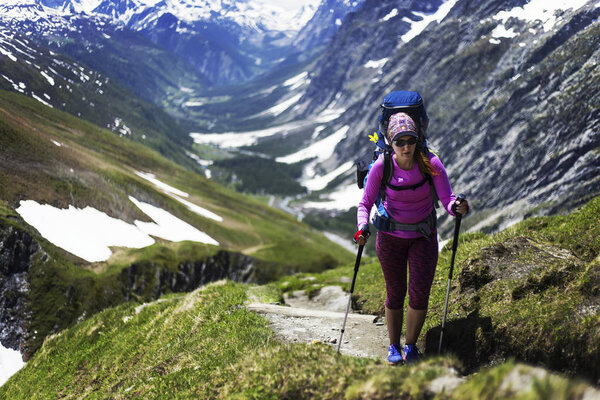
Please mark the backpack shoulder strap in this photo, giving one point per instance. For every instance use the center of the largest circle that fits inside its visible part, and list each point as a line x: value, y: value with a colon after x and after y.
x: 388, y: 168
x: 434, y: 196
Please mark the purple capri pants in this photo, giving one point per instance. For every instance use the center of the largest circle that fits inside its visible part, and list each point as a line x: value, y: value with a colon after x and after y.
x: 421, y: 255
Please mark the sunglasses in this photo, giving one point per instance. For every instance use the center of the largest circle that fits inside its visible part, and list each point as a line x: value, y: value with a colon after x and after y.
x: 409, y: 142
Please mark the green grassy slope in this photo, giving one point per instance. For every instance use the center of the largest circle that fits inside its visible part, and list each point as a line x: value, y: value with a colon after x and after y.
x: 103, y: 175
x: 95, y: 168
x: 205, y: 344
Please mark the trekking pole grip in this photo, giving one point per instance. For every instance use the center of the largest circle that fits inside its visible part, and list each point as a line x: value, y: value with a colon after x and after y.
x: 460, y: 199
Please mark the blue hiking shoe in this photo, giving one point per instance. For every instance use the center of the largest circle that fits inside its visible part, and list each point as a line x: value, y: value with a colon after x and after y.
x: 411, y: 354
x: 394, y: 355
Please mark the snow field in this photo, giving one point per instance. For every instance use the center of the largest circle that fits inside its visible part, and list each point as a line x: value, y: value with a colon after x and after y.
x: 177, y: 194
x: 376, y: 64
x: 320, y: 182
x: 297, y: 81
x: 536, y: 10
x: 322, y: 149
x: 167, y: 226
x: 344, y: 198
x: 89, y: 233
x: 418, y: 26
x: 249, y: 138
x: 10, y: 363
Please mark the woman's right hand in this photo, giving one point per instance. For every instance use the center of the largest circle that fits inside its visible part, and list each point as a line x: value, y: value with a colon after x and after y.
x: 362, y: 235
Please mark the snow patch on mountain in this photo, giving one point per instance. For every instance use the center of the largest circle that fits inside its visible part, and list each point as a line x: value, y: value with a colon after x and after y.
x: 48, y: 77
x: 283, y: 106
x: 249, y: 138
x: 297, y: 81
x: 376, y: 63
x: 167, y: 226
x: 320, y: 182
x: 281, y: 15
x: 177, y: 195
x: 390, y: 15
x: 8, y: 54
x: 10, y: 363
x: 342, y: 199
x: 321, y: 150
x: 501, y: 32
x: 38, y: 98
x: 86, y: 233
x: 540, y: 10
x: 162, y: 186
x: 235, y: 139
x: 89, y: 233
x: 424, y: 20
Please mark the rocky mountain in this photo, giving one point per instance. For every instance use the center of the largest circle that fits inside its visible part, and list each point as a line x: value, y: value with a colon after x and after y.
x: 511, y: 88
x: 323, y: 25
x: 96, y: 42
x: 353, y: 56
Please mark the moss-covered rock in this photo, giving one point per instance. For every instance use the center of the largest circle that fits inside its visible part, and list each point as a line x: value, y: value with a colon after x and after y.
x: 530, y: 292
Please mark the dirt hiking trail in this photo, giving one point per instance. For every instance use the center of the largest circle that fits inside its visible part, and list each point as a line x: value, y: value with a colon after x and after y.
x: 304, y: 320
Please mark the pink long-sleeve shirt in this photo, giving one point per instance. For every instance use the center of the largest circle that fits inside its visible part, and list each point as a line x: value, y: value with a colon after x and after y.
x: 406, y: 206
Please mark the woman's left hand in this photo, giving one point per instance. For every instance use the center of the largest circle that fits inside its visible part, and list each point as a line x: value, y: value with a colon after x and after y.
x: 461, y: 207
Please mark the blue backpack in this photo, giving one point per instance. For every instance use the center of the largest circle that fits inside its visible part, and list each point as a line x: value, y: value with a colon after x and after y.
x: 411, y: 103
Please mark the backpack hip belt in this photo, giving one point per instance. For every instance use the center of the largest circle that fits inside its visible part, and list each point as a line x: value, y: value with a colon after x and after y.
x: 424, y: 227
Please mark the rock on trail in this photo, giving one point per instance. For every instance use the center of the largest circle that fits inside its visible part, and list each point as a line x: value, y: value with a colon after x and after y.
x: 320, y: 318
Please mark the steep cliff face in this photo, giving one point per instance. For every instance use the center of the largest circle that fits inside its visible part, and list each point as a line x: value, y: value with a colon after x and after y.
x: 41, y: 294
x: 17, y: 249
x: 152, y: 280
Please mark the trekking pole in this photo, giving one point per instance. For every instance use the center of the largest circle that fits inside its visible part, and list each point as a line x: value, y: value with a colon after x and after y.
x: 356, y: 265
x: 460, y: 197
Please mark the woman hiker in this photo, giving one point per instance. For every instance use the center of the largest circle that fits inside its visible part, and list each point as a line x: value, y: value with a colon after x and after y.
x: 411, y: 237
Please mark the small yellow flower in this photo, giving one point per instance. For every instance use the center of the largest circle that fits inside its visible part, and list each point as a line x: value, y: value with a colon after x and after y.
x: 374, y: 137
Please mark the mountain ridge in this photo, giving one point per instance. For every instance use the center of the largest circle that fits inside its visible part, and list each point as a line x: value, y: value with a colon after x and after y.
x: 249, y: 37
